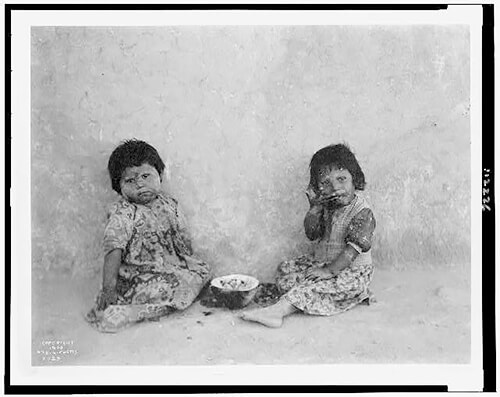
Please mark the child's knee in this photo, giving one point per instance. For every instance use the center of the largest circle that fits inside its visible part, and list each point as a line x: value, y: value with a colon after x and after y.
x: 287, y: 267
x: 287, y: 282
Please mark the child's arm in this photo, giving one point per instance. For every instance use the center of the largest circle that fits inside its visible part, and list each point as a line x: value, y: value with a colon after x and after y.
x: 359, y: 239
x: 112, y: 263
x: 117, y: 235
x: 344, y: 260
x: 314, y: 224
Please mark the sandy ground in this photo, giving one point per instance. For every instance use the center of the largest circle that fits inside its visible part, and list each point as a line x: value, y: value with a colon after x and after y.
x: 419, y: 317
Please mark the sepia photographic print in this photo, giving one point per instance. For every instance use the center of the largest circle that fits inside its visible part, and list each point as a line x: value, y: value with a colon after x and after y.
x: 246, y: 197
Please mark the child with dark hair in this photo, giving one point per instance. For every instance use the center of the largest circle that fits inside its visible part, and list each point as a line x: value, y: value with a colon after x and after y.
x: 342, y: 224
x: 149, y: 267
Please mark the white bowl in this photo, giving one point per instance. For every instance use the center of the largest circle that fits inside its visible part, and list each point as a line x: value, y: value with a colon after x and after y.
x: 234, y: 290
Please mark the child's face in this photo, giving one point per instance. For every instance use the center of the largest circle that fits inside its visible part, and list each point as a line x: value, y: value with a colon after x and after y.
x: 336, y: 184
x: 140, y: 184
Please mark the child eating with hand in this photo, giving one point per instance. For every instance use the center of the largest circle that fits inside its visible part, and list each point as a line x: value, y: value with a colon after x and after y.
x: 342, y: 224
x: 149, y: 266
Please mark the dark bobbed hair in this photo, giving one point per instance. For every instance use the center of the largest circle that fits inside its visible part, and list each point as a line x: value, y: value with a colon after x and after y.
x: 132, y: 153
x: 339, y: 156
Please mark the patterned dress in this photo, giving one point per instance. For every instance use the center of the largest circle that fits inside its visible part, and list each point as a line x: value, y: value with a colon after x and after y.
x: 158, y: 273
x: 352, y: 224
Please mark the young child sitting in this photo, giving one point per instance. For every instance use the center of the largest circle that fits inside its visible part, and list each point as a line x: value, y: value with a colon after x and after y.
x: 342, y: 224
x: 149, y: 267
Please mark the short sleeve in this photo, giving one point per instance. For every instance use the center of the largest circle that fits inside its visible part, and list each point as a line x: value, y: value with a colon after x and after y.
x: 360, y: 230
x: 118, y: 231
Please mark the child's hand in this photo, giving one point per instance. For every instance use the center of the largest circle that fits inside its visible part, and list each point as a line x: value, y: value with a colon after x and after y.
x: 318, y: 273
x: 108, y: 297
x: 313, y: 197
x: 317, y: 200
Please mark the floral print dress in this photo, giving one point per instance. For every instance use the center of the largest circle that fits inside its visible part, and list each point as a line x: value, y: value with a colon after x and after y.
x: 352, y: 224
x: 159, y: 273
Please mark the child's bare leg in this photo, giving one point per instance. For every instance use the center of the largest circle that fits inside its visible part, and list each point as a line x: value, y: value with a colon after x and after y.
x: 271, y: 316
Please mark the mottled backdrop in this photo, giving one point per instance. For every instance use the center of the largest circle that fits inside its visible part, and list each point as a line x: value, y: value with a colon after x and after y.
x: 236, y: 113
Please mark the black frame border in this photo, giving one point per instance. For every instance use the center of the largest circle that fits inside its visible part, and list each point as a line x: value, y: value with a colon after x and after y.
x: 488, y: 217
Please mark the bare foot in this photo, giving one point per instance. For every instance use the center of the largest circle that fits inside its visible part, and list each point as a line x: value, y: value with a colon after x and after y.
x: 271, y: 316
x: 265, y: 316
